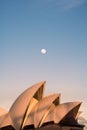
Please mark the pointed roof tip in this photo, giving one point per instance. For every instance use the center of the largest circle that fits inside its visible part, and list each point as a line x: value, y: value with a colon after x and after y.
x: 80, y: 103
x: 77, y: 103
x: 57, y: 99
x: 59, y: 94
x: 43, y: 82
x: 40, y: 83
x: 56, y: 95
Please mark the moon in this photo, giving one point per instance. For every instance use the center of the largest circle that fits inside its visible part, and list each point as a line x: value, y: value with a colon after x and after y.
x: 43, y: 51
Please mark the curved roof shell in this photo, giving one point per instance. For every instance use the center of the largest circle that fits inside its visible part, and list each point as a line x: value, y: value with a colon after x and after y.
x: 70, y: 117
x: 61, y: 111
x: 31, y: 108
x: 20, y: 107
x: 41, y: 110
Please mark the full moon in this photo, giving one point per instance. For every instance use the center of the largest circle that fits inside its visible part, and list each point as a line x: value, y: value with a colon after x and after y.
x: 43, y: 51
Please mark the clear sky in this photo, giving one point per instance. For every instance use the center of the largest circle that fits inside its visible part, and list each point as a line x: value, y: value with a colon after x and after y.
x: 59, y: 26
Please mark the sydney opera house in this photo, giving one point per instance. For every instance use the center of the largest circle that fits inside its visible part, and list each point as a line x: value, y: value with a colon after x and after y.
x: 34, y: 111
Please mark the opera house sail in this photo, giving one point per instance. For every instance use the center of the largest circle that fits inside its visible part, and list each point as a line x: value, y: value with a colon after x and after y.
x: 32, y: 110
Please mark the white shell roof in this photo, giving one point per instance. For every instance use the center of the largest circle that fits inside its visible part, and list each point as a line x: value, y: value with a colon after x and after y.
x: 70, y: 118
x: 19, y: 107
x: 31, y: 108
x: 41, y: 110
x: 61, y: 111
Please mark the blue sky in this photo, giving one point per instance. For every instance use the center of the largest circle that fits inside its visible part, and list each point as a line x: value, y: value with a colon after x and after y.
x: 59, y: 26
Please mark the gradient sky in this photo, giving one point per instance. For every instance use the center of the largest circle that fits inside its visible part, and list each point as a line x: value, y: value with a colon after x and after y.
x: 59, y: 26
